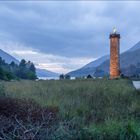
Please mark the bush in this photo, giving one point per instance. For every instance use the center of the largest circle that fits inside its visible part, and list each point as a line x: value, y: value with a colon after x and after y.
x: 98, y: 109
x: 23, y: 119
x: 2, y: 90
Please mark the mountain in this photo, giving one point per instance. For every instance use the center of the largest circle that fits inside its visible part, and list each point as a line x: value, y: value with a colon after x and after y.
x: 96, y: 62
x: 46, y: 73
x: 7, y: 57
x: 101, y: 65
x: 135, y: 47
x: 128, y: 58
x: 40, y: 72
x: 88, y: 68
x: 82, y: 72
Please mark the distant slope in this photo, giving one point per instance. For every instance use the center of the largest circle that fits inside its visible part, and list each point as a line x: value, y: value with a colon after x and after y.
x: 135, y: 47
x: 126, y: 59
x: 130, y: 57
x: 46, y: 73
x: 89, y: 68
x: 82, y: 72
x: 40, y: 72
x: 96, y: 62
x: 7, y: 57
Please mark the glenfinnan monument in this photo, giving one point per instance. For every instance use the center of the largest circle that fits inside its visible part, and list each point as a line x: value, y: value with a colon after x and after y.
x: 114, y: 54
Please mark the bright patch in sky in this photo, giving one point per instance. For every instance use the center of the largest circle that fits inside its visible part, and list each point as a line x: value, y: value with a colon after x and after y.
x: 65, y: 35
x: 46, y: 61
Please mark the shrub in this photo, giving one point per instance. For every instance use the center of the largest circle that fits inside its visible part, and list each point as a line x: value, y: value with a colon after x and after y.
x: 2, y: 90
x: 23, y: 119
x: 97, y: 109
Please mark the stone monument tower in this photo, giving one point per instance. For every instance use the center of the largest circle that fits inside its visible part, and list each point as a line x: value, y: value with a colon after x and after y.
x: 114, y: 54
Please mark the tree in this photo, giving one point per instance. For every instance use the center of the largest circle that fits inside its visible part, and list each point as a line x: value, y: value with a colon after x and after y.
x: 67, y: 76
x: 1, y: 61
x: 12, y: 64
x: 22, y: 63
x: 9, y: 75
x: 1, y: 74
x: 61, y: 76
x: 32, y: 68
x: 13, y: 71
x: 30, y: 75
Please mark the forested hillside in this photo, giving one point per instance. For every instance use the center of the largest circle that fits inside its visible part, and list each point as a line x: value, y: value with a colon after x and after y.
x: 25, y: 70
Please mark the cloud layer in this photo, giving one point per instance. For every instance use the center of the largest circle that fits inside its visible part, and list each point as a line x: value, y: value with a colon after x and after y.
x: 63, y: 36
x: 56, y: 63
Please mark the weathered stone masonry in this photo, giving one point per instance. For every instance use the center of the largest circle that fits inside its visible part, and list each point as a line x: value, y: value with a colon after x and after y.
x: 114, y: 55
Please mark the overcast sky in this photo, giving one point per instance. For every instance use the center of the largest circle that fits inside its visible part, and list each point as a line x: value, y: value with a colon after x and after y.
x: 63, y: 36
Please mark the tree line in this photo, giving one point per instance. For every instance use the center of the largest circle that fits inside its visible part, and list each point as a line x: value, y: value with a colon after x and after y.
x: 23, y: 70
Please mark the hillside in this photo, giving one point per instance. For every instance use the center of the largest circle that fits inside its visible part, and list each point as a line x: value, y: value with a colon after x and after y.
x: 135, y: 47
x: 46, y: 73
x: 7, y: 57
x: 40, y: 72
x: 128, y: 58
x: 89, y: 68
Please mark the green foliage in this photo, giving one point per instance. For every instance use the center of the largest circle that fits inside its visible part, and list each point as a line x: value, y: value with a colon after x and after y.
x: 115, y: 130
x: 25, y: 70
x: 62, y: 76
x: 95, y: 100
x: 67, y: 76
x: 129, y: 132
x: 88, y: 109
x: 2, y: 90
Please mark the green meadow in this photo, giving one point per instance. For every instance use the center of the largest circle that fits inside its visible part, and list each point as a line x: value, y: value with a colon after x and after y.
x: 98, y: 109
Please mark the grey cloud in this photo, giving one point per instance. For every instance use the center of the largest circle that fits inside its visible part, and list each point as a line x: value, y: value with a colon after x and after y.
x: 69, y: 28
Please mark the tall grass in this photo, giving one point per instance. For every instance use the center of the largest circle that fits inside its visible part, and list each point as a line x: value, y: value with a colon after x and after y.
x: 102, y: 99
x: 99, y: 109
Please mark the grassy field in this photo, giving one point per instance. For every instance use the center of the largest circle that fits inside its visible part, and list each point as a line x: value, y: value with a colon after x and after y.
x: 97, y: 109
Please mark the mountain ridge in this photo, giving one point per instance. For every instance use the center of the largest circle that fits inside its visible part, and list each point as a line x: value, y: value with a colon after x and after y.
x: 131, y: 56
x: 7, y: 57
x: 40, y: 72
x: 46, y: 73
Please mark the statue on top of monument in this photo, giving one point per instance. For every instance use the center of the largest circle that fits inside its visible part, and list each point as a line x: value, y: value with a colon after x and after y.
x: 114, y: 30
